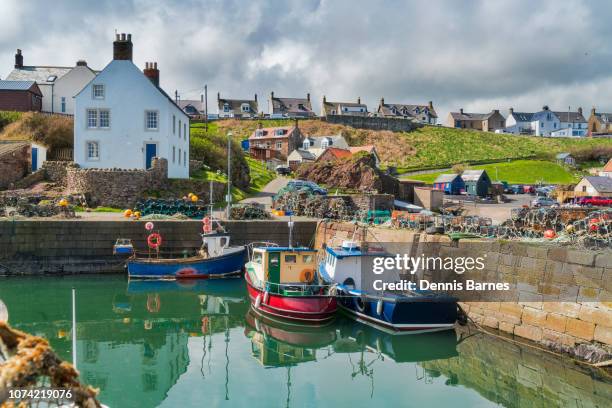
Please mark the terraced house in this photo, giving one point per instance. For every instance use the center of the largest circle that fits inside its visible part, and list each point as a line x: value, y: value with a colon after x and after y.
x: 489, y: 122
x: 58, y: 85
x: 425, y: 114
x: 291, y: 107
x: 123, y: 118
x: 237, y: 108
x: 343, y: 108
x: 599, y: 123
x: 547, y: 123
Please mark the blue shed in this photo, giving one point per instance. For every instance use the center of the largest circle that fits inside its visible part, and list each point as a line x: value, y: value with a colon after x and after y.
x: 449, y: 183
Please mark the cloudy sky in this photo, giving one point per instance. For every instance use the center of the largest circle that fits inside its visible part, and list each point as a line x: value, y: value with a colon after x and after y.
x: 478, y: 55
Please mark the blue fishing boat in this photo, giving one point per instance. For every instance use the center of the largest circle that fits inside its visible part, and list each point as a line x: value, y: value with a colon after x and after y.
x: 395, y: 312
x: 215, y: 259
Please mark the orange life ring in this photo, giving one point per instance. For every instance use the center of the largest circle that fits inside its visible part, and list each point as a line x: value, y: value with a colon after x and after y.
x: 307, y: 275
x: 205, y: 325
x: 154, y: 240
x: 153, y: 303
x: 207, y: 227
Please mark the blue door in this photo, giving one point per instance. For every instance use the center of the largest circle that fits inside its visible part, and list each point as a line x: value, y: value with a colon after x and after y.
x: 150, y: 153
x: 34, y: 159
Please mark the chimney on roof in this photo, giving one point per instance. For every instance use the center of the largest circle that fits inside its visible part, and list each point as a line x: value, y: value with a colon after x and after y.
x: 81, y: 63
x: 272, y: 95
x: 324, y: 99
x: 511, y: 110
x: 461, y: 111
x: 152, y: 72
x: 308, y: 97
x: 495, y: 110
x: 593, y: 110
x: 122, y: 47
x: 18, y: 59
x: 359, y: 100
x: 545, y: 107
x: 580, y: 110
x: 218, y: 96
x: 430, y: 105
x: 382, y: 101
x: 255, y: 97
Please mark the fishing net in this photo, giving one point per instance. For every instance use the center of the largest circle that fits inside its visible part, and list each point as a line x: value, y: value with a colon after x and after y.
x: 28, y: 362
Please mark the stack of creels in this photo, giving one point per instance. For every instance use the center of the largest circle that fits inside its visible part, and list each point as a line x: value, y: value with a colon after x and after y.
x: 249, y: 211
x: 190, y: 209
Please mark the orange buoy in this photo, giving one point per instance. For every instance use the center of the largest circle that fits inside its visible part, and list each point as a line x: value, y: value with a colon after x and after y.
x: 549, y: 234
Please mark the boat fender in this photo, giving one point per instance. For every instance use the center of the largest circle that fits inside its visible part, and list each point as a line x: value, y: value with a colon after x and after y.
x: 359, y: 304
x: 379, y: 307
x: 266, y: 297
x: 307, y: 275
x: 257, y: 301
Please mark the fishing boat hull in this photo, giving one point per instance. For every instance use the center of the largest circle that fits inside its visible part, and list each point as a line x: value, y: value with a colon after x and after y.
x: 319, y: 309
x: 409, y: 315
x: 227, y: 265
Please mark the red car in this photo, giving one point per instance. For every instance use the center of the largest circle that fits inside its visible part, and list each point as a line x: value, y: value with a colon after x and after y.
x: 595, y: 201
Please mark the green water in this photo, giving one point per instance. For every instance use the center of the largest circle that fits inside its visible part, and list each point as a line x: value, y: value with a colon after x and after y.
x: 149, y: 344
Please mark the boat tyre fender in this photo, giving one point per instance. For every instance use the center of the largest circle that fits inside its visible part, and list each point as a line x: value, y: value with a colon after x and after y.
x: 360, y: 305
x: 266, y: 297
x: 307, y: 275
x: 154, y: 240
x: 257, y: 301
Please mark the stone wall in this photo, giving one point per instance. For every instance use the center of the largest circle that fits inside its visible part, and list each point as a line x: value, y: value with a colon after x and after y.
x: 80, y: 247
x: 14, y: 165
x: 581, y: 280
x: 116, y: 187
x: 56, y: 171
x: 195, y: 165
x: 373, y: 123
x: 368, y: 202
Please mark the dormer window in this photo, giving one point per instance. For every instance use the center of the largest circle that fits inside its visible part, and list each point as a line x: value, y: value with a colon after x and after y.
x: 226, y: 107
x: 51, y: 78
x: 325, y: 143
x: 259, y: 133
x: 245, y: 107
x: 301, y: 106
x: 98, y: 91
x: 306, y: 144
x: 279, y: 132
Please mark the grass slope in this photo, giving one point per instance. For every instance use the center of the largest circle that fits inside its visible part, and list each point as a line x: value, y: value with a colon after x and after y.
x: 519, y: 171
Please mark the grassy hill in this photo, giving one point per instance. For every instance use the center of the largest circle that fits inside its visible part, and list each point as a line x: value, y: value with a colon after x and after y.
x: 518, y: 172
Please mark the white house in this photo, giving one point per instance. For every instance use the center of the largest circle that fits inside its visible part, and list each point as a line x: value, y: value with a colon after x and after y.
x: 547, y: 123
x: 519, y: 123
x: 123, y: 118
x: 58, y: 85
x: 316, y: 145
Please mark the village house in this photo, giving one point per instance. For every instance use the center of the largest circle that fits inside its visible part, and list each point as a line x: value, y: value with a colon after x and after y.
x: 607, y: 169
x: 565, y: 159
x: 519, y: 123
x: 123, y: 119
x: 237, y: 108
x: 299, y: 156
x: 558, y: 124
x: 192, y: 107
x: 599, y: 123
x: 597, y: 186
x: 21, y: 96
x: 58, y: 85
x: 317, y: 144
x: 425, y: 114
x: 450, y: 183
x: 343, y: 108
x: 477, y: 182
x: 488, y: 122
x: 275, y: 142
x: 291, y: 107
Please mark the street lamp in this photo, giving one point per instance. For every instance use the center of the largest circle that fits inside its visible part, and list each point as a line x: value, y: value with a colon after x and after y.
x: 229, y: 174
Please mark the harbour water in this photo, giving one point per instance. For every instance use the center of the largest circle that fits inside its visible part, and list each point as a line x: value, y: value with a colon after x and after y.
x: 169, y: 344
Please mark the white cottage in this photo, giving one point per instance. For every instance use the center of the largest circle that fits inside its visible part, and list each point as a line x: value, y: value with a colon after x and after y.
x: 123, y: 118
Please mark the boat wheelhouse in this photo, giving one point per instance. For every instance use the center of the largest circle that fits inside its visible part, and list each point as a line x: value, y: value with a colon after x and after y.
x: 283, y: 284
x: 350, y: 268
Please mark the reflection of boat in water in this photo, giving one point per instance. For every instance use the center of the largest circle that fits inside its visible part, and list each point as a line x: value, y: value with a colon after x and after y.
x: 416, y: 347
x: 232, y: 288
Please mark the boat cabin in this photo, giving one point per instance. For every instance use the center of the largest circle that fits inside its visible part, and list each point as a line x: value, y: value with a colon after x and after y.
x: 284, y: 265
x: 214, y: 245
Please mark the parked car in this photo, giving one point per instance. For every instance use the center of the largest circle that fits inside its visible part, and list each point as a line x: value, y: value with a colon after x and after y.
x: 308, y: 185
x: 544, y: 190
x: 544, y: 202
x: 516, y: 189
x: 595, y: 201
x: 527, y: 189
x: 283, y: 170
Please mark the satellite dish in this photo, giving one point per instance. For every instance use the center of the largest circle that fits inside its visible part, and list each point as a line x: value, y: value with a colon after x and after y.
x: 3, y: 312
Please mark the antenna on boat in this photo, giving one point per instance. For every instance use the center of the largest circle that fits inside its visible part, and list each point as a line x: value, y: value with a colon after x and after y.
x: 74, y: 335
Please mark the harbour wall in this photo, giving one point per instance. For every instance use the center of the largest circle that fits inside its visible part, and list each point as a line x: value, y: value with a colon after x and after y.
x: 579, y: 278
x: 79, y: 246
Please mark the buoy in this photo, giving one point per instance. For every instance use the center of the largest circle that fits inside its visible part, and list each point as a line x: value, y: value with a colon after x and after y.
x: 63, y: 202
x: 569, y: 229
x: 149, y: 226
x: 266, y: 298
x: 549, y: 234
x: 189, y: 195
x: 379, y: 307
x: 127, y: 213
x: 137, y: 214
x: 194, y: 198
x: 257, y: 301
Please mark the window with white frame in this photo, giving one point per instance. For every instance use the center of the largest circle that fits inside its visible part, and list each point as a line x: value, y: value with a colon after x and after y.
x: 259, y: 133
x: 184, y: 158
x: 226, y: 107
x: 279, y: 145
x: 174, y: 124
x: 306, y: 144
x: 185, y: 131
x: 179, y: 156
x: 151, y: 120
x: 173, y: 154
x: 93, y: 151
x: 104, y: 118
x: 279, y: 132
x: 324, y: 144
x: 92, y: 118
x: 63, y: 104
x: 98, y: 91
x: 180, y: 126
x: 245, y: 107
